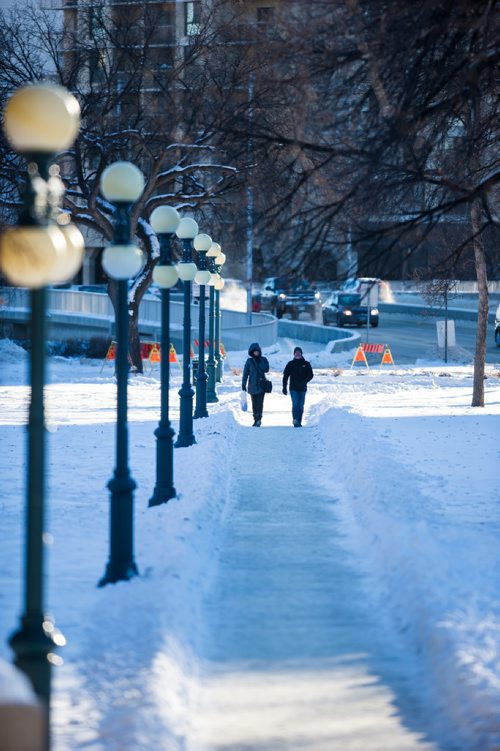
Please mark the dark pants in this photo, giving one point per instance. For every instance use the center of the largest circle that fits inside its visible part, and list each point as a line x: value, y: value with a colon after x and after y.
x: 257, y: 405
x: 298, y: 399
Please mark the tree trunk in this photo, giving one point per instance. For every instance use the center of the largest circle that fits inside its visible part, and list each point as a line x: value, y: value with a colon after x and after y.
x: 134, y: 342
x: 482, y: 310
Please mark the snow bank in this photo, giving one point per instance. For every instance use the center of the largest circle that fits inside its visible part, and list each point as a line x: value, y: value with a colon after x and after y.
x: 417, y: 482
x: 11, y: 353
x: 15, y: 688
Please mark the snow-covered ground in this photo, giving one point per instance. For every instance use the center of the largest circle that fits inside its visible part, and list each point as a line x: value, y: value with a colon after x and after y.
x: 413, y: 470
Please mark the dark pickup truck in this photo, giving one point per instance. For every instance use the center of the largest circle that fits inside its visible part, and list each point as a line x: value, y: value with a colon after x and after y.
x: 278, y: 298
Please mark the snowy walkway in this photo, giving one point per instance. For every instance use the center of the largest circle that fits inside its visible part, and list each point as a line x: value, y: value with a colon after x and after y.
x: 295, y: 659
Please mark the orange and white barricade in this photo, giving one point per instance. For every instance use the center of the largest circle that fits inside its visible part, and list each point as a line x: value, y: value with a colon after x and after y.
x: 387, y: 357
x: 110, y: 355
x: 360, y: 356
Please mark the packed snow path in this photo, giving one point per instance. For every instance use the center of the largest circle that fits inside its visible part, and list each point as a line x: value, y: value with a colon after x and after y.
x: 295, y: 659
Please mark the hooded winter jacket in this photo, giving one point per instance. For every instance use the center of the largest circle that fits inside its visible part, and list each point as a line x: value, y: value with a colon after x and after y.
x: 254, y: 370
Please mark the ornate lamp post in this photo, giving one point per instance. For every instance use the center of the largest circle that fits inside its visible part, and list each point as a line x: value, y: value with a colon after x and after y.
x: 186, y: 231
x: 39, y: 121
x: 121, y: 183
x: 212, y: 254
x: 202, y: 244
x: 219, y: 285
x: 164, y: 221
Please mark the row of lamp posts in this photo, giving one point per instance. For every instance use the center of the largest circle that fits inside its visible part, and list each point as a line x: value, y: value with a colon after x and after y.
x: 122, y: 184
x: 44, y: 248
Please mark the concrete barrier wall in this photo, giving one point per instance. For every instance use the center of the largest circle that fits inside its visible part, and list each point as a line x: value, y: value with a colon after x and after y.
x: 315, y: 332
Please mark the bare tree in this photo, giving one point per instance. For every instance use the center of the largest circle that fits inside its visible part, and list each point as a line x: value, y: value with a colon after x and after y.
x: 373, y: 124
x: 390, y: 132
x: 142, y: 99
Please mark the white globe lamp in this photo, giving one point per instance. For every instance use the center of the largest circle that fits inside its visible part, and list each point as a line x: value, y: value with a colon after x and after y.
x: 75, y: 248
x: 122, y: 261
x: 165, y: 276
x: 203, y: 277
x: 165, y: 220
x: 30, y: 256
x: 41, y: 118
x: 122, y: 182
x: 187, y: 271
x: 187, y: 229
x: 202, y: 243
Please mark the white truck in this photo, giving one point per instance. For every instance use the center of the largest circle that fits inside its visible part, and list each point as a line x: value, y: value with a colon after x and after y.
x: 367, y: 287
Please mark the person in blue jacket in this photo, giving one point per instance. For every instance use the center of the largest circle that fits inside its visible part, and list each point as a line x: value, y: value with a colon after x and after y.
x: 299, y: 372
x: 253, y: 373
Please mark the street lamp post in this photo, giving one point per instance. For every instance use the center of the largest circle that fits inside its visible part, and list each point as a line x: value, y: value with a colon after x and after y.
x: 219, y: 285
x: 186, y: 231
x: 212, y: 254
x: 121, y: 183
x: 164, y: 221
x: 202, y: 244
x: 39, y: 122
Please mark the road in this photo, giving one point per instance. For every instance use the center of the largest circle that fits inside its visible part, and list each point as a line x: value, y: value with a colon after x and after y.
x: 410, y: 340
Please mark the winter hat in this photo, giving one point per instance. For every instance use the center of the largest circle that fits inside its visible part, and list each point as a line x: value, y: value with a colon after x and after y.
x: 297, y: 349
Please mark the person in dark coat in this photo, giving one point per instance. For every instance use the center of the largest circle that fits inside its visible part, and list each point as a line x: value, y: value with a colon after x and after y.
x: 253, y: 373
x: 300, y: 372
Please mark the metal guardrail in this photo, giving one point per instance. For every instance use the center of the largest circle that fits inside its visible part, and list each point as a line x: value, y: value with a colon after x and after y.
x: 461, y: 287
x: 424, y: 311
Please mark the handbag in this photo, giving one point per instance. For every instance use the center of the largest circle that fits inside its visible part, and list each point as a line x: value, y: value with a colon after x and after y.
x: 267, y: 385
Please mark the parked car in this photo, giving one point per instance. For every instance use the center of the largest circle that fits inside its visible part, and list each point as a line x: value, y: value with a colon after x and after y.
x: 347, y: 308
x: 279, y: 298
x: 497, y: 326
